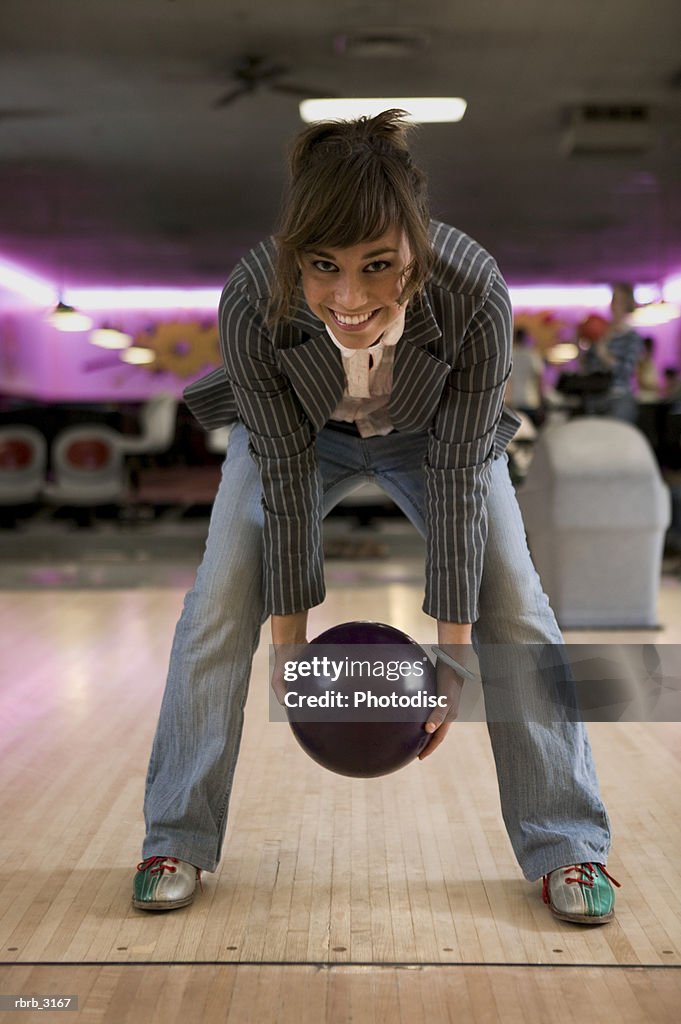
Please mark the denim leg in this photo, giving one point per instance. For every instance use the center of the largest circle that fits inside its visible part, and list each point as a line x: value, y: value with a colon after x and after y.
x: 547, y: 780
x: 199, y: 729
x: 197, y: 739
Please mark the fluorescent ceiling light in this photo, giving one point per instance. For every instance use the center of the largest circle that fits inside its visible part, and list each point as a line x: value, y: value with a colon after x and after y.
x: 565, y: 296
x: 645, y: 293
x: 420, y: 109
x: 23, y: 283
x: 42, y: 293
x: 672, y: 289
x: 144, y: 298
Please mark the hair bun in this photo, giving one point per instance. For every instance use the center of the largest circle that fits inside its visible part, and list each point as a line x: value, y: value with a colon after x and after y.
x: 387, y: 130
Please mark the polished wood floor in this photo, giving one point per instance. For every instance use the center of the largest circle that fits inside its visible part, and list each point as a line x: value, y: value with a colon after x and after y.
x: 338, y: 900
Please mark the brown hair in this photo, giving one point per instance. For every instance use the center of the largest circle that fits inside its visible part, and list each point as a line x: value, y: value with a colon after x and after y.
x: 350, y: 182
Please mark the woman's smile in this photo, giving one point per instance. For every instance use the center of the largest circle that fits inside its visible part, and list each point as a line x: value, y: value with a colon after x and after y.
x: 353, y: 321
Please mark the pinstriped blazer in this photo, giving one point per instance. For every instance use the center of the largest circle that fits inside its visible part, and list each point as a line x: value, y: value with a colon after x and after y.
x: 450, y: 369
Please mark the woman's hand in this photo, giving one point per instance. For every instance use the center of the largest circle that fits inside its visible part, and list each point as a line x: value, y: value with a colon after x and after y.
x: 455, y: 642
x: 283, y: 653
x: 449, y: 685
x: 289, y: 632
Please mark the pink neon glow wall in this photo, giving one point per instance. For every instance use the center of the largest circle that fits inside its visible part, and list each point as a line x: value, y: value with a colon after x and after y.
x: 41, y: 363
x: 37, y: 361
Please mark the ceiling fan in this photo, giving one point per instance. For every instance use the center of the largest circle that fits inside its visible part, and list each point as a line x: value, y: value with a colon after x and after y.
x: 253, y: 73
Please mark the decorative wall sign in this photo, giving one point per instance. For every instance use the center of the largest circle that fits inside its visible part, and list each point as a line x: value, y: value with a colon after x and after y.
x: 182, y: 348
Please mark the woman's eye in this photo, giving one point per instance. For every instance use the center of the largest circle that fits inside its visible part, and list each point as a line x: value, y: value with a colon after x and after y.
x: 377, y: 266
x: 324, y: 265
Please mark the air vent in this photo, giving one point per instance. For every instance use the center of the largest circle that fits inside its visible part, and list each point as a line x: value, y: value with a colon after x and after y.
x: 608, y: 129
x: 375, y: 43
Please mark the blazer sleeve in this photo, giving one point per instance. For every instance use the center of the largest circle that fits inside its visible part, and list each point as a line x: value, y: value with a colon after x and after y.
x: 459, y: 456
x: 282, y: 445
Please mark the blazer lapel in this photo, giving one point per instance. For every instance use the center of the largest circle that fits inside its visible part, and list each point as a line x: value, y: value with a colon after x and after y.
x: 418, y: 375
x: 420, y: 326
x: 418, y: 380
x: 315, y: 369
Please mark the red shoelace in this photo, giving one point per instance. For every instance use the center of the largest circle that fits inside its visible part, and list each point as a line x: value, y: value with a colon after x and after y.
x: 157, y: 865
x: 588, y: 874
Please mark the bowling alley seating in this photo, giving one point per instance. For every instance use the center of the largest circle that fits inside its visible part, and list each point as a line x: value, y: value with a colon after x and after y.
x: 157, y: 422
x: 217, y: 440
x: 23, y: 455
x: 87, y: 468
x: 158, y: 418
x: 596, y: 510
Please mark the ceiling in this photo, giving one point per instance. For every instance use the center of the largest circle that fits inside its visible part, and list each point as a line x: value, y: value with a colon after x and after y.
x: 117, y: 167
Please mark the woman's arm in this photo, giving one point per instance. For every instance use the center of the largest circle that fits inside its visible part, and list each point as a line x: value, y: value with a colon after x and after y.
x: 282, y: 444
x: 457, y: 468
x: 460, y: 451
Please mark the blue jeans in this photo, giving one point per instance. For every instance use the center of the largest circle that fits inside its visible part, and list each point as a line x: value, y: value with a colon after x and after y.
x: 547, y: 782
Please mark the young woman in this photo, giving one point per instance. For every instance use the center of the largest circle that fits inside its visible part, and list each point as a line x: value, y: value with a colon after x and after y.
x: 367, y: 340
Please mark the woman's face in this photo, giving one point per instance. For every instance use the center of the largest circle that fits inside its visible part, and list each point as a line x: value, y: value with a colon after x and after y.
x: 355, y: 290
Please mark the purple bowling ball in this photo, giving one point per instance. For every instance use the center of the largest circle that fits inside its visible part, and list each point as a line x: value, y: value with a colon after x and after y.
x: 361, y: 697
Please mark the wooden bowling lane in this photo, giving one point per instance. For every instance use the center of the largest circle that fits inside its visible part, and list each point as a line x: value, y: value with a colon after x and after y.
x: 337, y: 899
x: 310, y: 994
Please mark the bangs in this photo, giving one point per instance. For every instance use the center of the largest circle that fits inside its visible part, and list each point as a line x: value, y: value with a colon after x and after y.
x: 353, y: 202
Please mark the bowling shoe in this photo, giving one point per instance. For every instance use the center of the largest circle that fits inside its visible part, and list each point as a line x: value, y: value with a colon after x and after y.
x: 581, y: 893
x: 164, y: 883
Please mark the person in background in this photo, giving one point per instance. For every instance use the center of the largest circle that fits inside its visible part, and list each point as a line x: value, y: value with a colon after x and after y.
x: 619, y: 351
x: 669, y: 452
x: 523, y: 392
x: 671, y: 388
x: 646, y: 374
